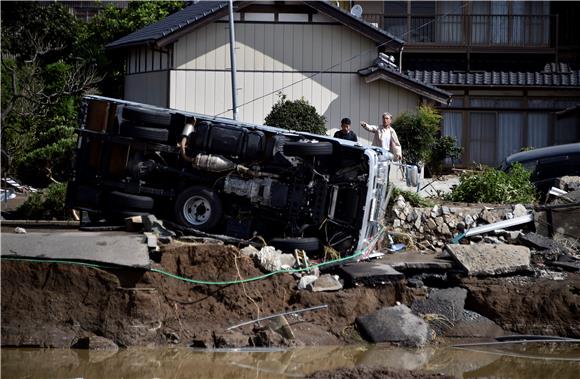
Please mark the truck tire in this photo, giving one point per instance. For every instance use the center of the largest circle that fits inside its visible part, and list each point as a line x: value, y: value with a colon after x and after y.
x: 288, y: 245
x: 307, y: 149
x: 148, y: 117
x: 199, y: 208
x: 145, y: 133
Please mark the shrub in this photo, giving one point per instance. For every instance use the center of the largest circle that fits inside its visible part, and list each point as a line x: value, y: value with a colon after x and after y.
x: 296, y: 115
x: 412, y: 198
x: 443, y: 148
x: 495, y: 186
x: 48, y: 204
x: 417, y: 133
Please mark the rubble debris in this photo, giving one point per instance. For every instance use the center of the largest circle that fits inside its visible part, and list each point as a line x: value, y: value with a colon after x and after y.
x: 491, y: 259
x: 370, y: 273
x: 249, y: 251
x: 500, y: 225
x: 151, y: 240
x: 473, y: 325
x: 19, y: 230
x: 566, y: 262
x: 271, y: 259
x: 325, y: 283
x: 305, y: 281
x: 152, y: 224
x: 568, y: 183
x: 413, y: 260
x: 230, y: 339
x: 395, y: 324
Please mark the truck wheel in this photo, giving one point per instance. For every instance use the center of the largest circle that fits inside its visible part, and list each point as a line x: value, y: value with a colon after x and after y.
x: 290, y: 244
x: 303, y: 149
x: 129, y: 129
x: 199, y: 208
x: 147, y: 116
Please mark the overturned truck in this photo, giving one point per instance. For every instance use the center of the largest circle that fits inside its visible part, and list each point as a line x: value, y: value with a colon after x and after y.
x: 294, y: 189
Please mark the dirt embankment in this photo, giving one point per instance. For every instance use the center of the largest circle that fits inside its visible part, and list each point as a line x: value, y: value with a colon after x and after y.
x: 58, y: 305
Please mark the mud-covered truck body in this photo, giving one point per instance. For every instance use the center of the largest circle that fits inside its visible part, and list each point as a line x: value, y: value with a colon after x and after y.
x: 294, y: 189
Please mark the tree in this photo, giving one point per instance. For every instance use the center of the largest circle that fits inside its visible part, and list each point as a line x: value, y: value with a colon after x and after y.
x: 296, y: 115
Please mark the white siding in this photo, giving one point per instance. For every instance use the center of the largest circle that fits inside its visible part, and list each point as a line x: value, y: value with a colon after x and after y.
x: 148, y: 88
x: 279, y: 57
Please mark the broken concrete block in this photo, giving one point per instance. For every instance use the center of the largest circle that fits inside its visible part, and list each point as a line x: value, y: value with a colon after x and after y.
x: 151, y: 240
x: 519, y: 210
x: 230, y: 339
x: 445, y: 210
x: 395, y: 324
x: 436, y: 211
x: 371, y: 273
x: 448, y: 303
x: 306, y: 280
x: 473, y: 324
x: 325, y: 283
x: 490, y: 259
x: 269, y: 258
x: 468, y: 220
x: 539, y: 242
x: 249, y: 251
x: 489, y: 217
x: 396, y: 223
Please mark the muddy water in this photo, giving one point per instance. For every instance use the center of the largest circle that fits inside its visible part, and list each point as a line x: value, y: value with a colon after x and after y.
x: 531, y: 360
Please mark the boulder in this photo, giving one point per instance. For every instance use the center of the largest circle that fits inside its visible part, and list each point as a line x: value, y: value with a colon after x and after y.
x: 491, y: 259
x: 395, y: 324
x: 95, y: 343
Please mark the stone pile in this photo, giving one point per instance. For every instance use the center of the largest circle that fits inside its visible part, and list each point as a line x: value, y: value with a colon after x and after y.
x: 441, y: 222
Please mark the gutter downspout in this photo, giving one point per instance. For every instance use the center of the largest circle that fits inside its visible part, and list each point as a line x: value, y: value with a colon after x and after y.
x: 401, y: 59
x: 233, y: 60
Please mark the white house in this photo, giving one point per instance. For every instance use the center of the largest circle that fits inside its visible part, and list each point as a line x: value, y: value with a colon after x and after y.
x: 310, y: 50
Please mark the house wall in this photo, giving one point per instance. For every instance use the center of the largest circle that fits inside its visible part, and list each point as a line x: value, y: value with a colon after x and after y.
x: 149, y: 88
x: 283, y: 57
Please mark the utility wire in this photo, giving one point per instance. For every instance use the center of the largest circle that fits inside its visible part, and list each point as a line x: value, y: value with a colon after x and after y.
x: 340, y: 63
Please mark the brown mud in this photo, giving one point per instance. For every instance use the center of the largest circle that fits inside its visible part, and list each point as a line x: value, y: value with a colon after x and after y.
x: 59, y: 305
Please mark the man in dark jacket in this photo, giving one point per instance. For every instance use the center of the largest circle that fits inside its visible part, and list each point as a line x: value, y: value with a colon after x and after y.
x: 345, y: 131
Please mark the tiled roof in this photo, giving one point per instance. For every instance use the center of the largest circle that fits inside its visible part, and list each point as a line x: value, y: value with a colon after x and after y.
x: 498, y: 78
x: 203, y: 10
x: 170, y: 24
x: 388, y: 72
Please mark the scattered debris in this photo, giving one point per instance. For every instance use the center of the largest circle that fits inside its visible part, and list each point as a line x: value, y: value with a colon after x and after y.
x: 395, y: 324
x: 491, y: 259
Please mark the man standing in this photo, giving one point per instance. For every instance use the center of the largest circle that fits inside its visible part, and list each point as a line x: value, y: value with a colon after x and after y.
x: 385, y: 136
x: 345, y: 131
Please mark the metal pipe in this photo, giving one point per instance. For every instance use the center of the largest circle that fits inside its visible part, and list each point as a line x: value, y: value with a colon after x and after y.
x: 278, y: 314
x: 233, y: 60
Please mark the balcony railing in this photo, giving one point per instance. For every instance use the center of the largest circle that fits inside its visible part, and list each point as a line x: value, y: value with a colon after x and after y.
x: 470, y: 30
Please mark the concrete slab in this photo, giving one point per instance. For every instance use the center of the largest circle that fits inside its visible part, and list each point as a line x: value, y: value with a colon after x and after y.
x: 104, y: 247
x: 370, y: 273
x: 415, y: 260
x: 491, y: 259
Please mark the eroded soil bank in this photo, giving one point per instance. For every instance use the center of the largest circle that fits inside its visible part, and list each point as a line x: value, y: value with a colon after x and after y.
x: 60, y: 305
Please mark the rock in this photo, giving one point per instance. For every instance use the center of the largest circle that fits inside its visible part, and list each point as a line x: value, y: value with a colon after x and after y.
x: 489, y: 217
x: 249, y: 251
x: 19, y: 230
x: 468, y: 220
x: 95, y: 343
x: 306, y: 280
x: 568, y: 183
x: 488, y: 259
x: 439, y: 221
x: 445, y: 210
x: 153, y: 225
x: 280, y: 325
x: 445, y: 230
x: 450, y: 220
x: 519, y: 210
x: 395, y: 324
x: 229, y: 339
x: 418, y: 223
x: 431, y: 224
x: 287, y: 261
x: 325, y: 283
x: 151, y: 240
x: 448, y: 303
x: 396, y: 223
x: 436, y: 211
x: 473, y: 324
